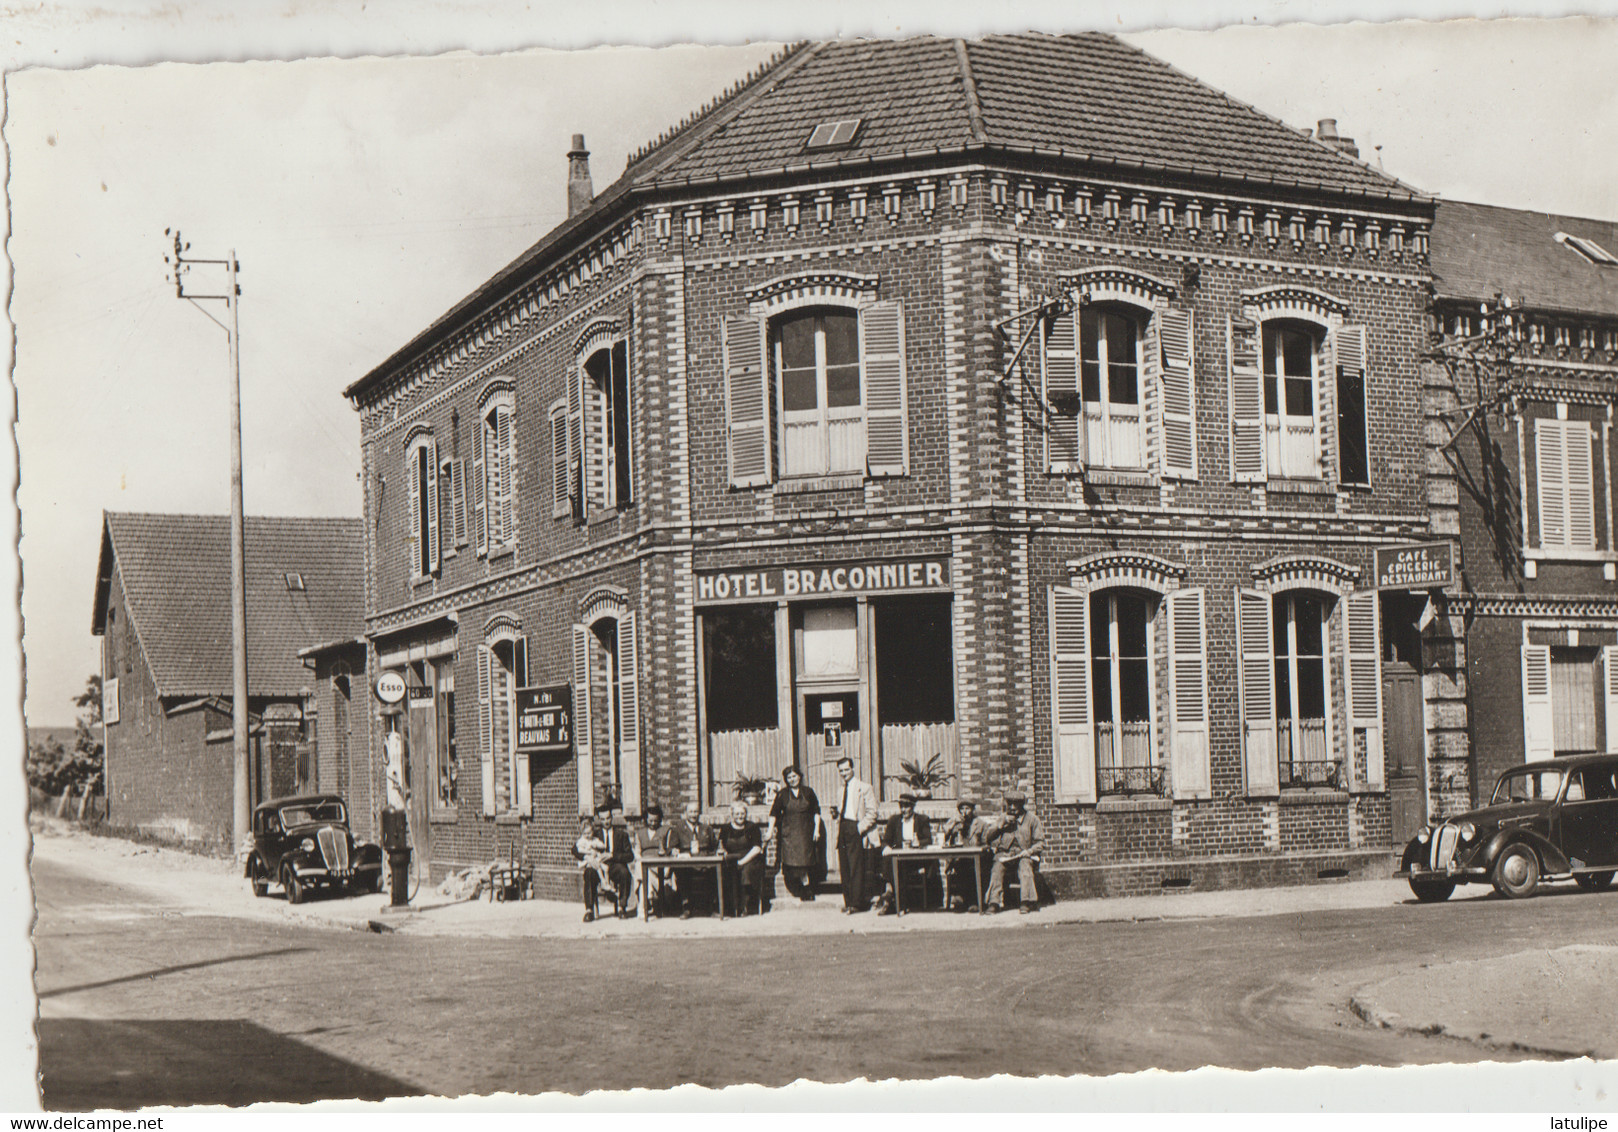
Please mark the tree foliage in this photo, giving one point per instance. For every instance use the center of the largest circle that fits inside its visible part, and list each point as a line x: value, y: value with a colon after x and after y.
x: 54, y: 768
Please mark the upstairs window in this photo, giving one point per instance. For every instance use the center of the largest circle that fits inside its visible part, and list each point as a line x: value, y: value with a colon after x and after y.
x: 1110, y: 382
x: 494, y: 476
x: 421, y: 471
x: 1291, y: 400
x: 1564, y: 463
x: 607, y: 427
x: 817, y: 364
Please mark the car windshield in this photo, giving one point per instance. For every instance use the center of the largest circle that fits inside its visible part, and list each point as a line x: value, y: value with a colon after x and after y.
x: 313, y: 812
x: 1536, y: 785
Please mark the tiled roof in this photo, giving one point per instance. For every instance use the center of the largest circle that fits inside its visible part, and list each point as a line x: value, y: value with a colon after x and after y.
x: 1088, y: 97
x: 176, y: 578
x: 1480, y: 250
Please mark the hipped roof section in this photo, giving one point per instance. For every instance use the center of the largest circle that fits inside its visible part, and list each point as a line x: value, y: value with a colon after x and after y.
x: 1087, y: 100
x: 1481, y: 250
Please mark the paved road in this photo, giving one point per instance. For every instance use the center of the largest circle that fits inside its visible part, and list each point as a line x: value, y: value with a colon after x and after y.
x: 142, y: 1004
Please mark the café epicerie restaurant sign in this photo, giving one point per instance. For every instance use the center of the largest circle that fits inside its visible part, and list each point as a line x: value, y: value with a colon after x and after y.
x: 775, y: 583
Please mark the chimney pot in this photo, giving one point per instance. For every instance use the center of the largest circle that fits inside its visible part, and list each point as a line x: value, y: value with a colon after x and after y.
x: 1326, y: 131
x: 580, y: 192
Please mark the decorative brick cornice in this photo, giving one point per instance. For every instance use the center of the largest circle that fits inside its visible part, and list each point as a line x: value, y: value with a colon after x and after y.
x: 1126, y: 568
x: 1300, y: 571
x: 1532, y: 605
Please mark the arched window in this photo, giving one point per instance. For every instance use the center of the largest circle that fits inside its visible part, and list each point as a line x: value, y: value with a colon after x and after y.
x: 494, y: 474
x: 607, y: 426
x: 1110, y: 382
x: 816, y: 356
x: 1121, y: 691
x: 1291, y: 399
x: 422, y: 472
x: 1302, y: 689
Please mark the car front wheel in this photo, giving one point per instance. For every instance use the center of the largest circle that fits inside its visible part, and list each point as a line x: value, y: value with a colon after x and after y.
x: 1430, y: 891
x: 1593, y: 882
x: 1516, y: 873
x: 260, y: 882
x: 294, y: 887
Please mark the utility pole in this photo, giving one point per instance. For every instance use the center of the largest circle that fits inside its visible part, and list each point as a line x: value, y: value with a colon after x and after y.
x: 180, y: 266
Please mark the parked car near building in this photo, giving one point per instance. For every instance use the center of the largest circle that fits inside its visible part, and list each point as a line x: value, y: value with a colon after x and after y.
x: 304, y: 843
x: 1545, y: 821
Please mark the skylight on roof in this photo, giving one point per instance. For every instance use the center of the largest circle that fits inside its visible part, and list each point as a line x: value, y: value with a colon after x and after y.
x: 834, y: 135
x: 1589, y: 249
x: 294, y: 582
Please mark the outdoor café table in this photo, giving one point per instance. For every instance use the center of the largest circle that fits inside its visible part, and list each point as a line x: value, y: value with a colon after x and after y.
x: 693, y: 862
x: 943, y: 854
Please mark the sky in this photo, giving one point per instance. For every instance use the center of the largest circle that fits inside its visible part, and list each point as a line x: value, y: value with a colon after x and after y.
x: 363, y: 197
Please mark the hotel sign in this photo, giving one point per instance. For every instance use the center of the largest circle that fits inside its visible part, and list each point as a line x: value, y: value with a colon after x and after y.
x: 1418, y: 566
x: 545, y: 718
x: 775, y: 583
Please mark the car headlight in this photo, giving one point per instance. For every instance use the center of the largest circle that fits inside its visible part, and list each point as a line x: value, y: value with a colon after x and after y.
x: 1468, y: 831
x: 307, y: 845
x: 1425, y: 835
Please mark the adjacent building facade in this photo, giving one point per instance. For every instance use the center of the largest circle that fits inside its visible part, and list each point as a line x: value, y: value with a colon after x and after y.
x: 1525, y: 376
x: 886, y: 408
x: 162, y: 609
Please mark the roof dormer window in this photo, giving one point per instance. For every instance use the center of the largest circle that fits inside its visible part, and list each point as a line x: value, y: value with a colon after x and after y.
x: 1589, y: 249
x: 834, y: 135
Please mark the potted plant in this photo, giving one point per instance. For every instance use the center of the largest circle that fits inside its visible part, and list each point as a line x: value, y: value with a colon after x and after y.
x: 750, y: 789
x: 922, y: 778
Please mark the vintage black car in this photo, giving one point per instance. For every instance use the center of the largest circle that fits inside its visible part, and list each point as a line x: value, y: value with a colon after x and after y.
x: 304, y: 843
x: 1545, y: 821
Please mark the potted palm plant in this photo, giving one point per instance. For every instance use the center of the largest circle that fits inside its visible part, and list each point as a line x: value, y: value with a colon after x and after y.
x: 750, y: 789
x: 922, y: 778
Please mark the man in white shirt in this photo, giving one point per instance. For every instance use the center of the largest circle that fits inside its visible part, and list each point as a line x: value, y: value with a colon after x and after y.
x: 856, y: 816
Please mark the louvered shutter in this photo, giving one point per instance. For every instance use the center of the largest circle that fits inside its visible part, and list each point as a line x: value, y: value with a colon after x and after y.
x: 581, y: 718
x: 559, y: 463
x: 1064, y: 453
x: 1365, y: 681
x: 1246, y: 402
x: 747, y: 401
x: 1179, y: 395
x: 480, y: 475
x: 1581, y: 505
x: 1073, y: 739
x: 882, y: 359
x: 1325, y: 399
x: 627, y: 425
x: 503, y: 462
x: 519, y: 677
x: 486, y: 726
x: 1550, y: 465
x: 433, y: 509
x: 1257, y: 692
x: 413, y: 476
x: 1538, y: 721
x: 576, y: 441
x: 457, y: 498
x: 1353, y: 424
x: 1188, y: 692
x: 629, y: 712
x: 1609, y: 666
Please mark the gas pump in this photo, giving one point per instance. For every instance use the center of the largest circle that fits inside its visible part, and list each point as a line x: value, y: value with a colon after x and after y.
x: 396, y: 821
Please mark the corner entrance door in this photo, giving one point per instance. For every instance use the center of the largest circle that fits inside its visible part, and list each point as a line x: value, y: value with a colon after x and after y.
x: 1405, y: 763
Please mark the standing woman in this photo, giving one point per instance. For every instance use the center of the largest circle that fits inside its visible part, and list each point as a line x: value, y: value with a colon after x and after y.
x: 795, y: 818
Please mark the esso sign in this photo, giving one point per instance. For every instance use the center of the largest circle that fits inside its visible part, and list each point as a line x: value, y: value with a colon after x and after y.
x: 390, y: 687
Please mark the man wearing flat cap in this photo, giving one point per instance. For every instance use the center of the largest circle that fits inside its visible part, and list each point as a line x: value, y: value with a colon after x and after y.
x: 1016, y: 840
x: 965, y: 829
x: 906, y: 829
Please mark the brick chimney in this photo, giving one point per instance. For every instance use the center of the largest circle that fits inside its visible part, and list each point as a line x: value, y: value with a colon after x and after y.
x: 579, y: 191
x: 1326, y: 131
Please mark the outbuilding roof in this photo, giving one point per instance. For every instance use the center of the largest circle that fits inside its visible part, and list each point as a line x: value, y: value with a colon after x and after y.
x: 1481, y: 250
x: 305, y: 582
x: 1089, y: 100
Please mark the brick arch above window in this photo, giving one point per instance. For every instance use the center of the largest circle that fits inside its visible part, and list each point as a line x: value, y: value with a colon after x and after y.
x: 1265, y: 303
x: 603, y: 601
x: 496, y: 387
x: 502, y: 626
x: 1305, y: 572
x: 1114, y: 569
x: 1118, y: 284
x: 418, y: 434
x: 602, y: 332
x: 811, y: 289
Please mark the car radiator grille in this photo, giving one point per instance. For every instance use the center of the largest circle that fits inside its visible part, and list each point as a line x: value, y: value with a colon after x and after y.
x: 334, y: 848
x: 1445, y: 838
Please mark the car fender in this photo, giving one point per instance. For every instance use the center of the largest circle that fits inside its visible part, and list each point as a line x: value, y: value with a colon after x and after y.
x: 254, y: 858
x: 1550, y: 857
x: 1415, y: 855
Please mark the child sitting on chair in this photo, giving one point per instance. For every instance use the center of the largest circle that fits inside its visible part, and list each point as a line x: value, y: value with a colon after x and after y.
x: 591, y: 849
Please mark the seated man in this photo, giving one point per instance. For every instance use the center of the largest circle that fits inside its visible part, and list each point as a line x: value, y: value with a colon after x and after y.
x: 648, y: 842
x: 619, y: 855
x: 686, y: 836
x: 741, y: 841
x: 966, y: 828
x: 1016, y: 839
x: 904, y: 830
x: 590, y: 851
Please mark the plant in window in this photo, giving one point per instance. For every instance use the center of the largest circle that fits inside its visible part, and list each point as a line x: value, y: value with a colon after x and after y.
x: 750, y: 789
x: 923, y: 778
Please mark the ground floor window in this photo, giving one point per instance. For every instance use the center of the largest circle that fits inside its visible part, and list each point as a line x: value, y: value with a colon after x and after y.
x: 1570, y: 691
x: 1299, y: 627
x: 1121, y: 691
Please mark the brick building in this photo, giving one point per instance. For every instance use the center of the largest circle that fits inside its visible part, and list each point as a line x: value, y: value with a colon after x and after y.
x: 1020, y: 402
x: 1527, y: 394
x: 162, y: 609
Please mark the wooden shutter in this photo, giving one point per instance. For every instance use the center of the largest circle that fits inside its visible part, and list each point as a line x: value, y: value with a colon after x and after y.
x: 1538, y: 720
x: 486, y: 726
x: 747, y: 402
x: 1364, y: 679
x: 1246, y: 401
x: 1353, y: 423
x: 1580, y: 481
x: 520, y: 678
x: 581, y: 718
x: 559, y: 486
x: 480, y: 476
x: 413, y: 475
x: 1257, y: 692
x: 503, y: 462
x: 1179, y: 395
x: 1550, y: 466
x: 1064, y: 435
x: 576, y: 440
x: 433, y: 509
x: 1073, y: 740
x: 1609, y: 668
x: 457, y: 499
x: 882, y: 362
x: 629, y: 712
x: 626, y: 427
x: 1188, y: 693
